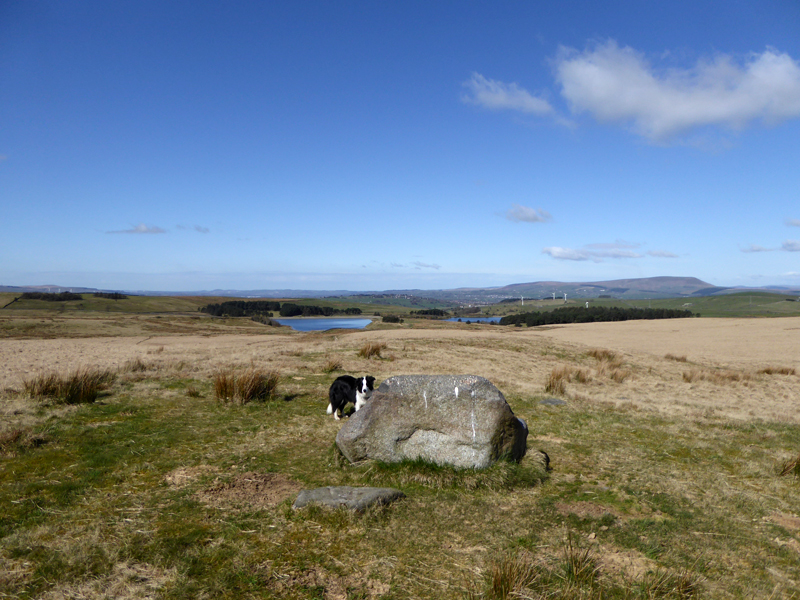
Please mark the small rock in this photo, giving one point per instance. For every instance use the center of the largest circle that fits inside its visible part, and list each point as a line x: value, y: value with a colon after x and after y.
x: 353, y: 498
x: 552, y: 402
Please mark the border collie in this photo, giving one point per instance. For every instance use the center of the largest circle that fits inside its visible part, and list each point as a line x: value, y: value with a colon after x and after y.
x: 349, y: 389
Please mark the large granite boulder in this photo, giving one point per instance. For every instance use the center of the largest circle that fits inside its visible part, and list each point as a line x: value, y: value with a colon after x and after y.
x: 460, y: 420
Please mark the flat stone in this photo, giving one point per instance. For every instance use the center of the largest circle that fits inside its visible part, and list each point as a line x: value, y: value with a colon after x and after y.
x: 353, y: 498
x: 552, y: 402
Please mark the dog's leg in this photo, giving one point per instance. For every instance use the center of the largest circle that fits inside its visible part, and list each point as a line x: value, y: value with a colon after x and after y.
x: 336, y: 415
x: 330, y: 408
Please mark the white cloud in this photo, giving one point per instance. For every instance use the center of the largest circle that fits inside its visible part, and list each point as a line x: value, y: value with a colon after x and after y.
x: 197, y: 228
x: 791, y: 246
x: 755, y: 248
x: 616, y: 84
x: 602, y: 251
x: 524, y: 214
x: 497, y: 95
x: 141, y: 228
x: 422, y: 265
x: 793, y: 222
x: 661, y: 254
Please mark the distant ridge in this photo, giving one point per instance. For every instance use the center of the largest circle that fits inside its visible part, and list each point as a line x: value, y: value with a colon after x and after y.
x: 641, y: 288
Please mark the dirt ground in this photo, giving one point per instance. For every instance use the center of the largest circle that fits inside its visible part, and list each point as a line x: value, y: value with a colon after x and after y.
x: 654, y: 358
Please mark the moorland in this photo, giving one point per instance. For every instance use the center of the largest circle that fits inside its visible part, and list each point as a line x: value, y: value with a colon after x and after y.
x: 673, y: 447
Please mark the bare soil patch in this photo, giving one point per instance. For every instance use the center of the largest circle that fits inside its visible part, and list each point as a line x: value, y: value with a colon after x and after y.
x: 256, y: 490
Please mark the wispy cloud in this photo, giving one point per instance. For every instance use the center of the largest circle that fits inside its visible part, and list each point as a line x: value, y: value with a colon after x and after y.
x: 197, y: 228
x: 661, y: 254
x: 793, y: 222
x: 791, y: 246
x: 141, y: 228
x: 756, y: 248
x: 417, y: 265
x: 422, y: 265
x: 523, y: 214
x: 616, y: 84
x: 603, y: 251
x: 496, y: 95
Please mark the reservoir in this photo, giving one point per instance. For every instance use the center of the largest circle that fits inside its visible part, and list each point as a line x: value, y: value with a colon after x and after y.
x: 324, y: 323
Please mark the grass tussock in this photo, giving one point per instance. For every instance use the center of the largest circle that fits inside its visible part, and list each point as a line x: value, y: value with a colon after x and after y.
x: 681, y: 358
x: 19, y: 440
x: 777, y: 371
x: 716, y: 377
x: 82, y: 386
x: 372, y: 350
x: 602, y: 354
x: 575, y: 575
x: 136, y: 365
x: 557, y: 381
x: 508, y: 576
x: 580, y: 565
x: 251, y: 385
x: 332, y: 364
x: 665, y: 584
x: 790, y: 467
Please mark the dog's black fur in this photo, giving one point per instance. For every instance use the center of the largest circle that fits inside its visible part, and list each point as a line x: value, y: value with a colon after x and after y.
x: 348, y: 389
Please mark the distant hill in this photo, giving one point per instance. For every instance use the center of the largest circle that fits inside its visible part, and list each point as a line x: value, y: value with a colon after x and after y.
x: 649, y: 287
x: 633, y: 289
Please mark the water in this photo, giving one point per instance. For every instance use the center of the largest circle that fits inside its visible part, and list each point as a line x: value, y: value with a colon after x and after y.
x: 476, y: 319
x: 324, y: 323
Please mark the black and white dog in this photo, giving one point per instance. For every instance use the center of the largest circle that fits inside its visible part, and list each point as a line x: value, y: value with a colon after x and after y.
x: 349, y: 389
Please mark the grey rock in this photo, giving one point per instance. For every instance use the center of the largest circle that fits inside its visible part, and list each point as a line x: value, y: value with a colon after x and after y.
x: 460, y: 420
x: 552, y: 402
x: 354, y: 498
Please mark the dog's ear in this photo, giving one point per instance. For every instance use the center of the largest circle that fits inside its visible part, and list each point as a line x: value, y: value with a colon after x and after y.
x: 370, y: 379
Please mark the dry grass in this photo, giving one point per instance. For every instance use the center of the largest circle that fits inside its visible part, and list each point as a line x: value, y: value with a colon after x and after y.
x: 17, y: 440
x: 681, y: 358
x: 790, y: 467
x: 508, y: 576
x: 557, y: 381
x: 718, y: 377
x: 777, y: 371
x: 251, y: 385
x: 79, y: 387
x: 372, y: 350
x: 332, y: 364
x: 602, y: 354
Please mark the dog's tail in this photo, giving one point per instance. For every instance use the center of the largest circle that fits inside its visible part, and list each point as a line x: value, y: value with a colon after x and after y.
x: 330, y: 409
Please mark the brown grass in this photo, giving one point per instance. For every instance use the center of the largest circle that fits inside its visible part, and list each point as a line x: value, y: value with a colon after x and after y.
x: 79, y: 387
x: 557, y: 381
x: 716, y: 377
x: 602, y: 354
x: 777, y: 371
x: 332, y: 364
x: 372, y: 350
x: 17, y: 440
x: 791, y: 467
x: 251, y: 385
x: 682, y: 358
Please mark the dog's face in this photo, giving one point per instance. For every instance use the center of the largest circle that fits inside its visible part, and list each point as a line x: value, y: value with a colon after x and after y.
x: 365, y: 385
x: 364, y: 390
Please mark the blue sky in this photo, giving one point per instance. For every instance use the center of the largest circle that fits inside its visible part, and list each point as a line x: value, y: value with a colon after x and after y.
x: 194, y: 145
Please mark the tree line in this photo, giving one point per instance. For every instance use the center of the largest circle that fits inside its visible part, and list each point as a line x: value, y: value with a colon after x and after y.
x: 61, y: 297
x: 578, y: 314
x: 251, y: 308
